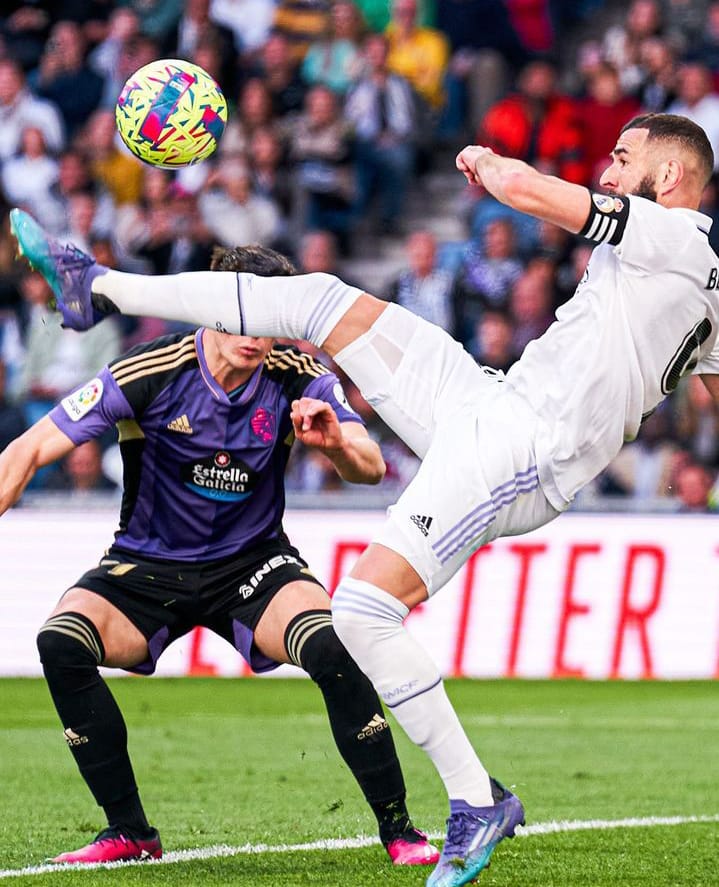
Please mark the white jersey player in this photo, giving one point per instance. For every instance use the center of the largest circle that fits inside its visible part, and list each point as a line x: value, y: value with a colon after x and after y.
x: 501, y: 454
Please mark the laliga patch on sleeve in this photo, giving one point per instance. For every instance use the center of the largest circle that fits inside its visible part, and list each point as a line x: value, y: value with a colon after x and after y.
x: 341, y: 397
x: 80, y: 402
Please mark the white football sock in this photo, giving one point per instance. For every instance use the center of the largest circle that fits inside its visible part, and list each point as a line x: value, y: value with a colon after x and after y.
x: 307, y: 306
x: 369, y: 621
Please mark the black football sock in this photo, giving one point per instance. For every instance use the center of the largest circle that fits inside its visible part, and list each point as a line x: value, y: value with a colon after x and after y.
x: 70, y: 651
x: 362, y: 734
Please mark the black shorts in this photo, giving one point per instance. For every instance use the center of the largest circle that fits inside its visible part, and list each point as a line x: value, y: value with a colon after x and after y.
x: 166, y: 599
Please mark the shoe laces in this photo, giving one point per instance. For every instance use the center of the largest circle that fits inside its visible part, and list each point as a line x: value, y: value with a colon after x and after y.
x: 111, y: 833
x: 460, y: 827
x: 74, y: 258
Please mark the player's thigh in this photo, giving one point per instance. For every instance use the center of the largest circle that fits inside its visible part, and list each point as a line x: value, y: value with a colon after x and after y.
x: 478, y: 481
x: 125, y: 645
x: 288, y: 602
x: 414, y: 375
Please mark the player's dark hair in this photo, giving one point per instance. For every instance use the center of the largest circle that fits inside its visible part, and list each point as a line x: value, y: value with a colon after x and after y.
x: 675, y: 128
x: 253, y: 259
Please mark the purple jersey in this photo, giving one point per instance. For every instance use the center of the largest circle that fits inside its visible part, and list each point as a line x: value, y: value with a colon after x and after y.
x: 203, y: 474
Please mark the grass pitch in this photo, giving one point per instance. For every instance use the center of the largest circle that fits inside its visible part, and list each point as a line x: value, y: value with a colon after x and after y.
x: 243, y: 763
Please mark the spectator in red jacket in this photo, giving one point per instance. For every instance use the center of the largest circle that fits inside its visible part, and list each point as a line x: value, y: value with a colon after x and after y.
x: 602, y: 114
x: 537, y: 124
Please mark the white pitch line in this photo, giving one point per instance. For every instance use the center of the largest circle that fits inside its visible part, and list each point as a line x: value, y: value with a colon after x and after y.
x: 218, y: 851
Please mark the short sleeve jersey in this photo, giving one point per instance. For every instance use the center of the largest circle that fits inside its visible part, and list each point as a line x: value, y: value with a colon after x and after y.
x: 645, y: 313
x: 203, y: 473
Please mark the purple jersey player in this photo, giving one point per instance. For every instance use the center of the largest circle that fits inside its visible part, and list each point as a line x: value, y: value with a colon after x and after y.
x: 206, y: 421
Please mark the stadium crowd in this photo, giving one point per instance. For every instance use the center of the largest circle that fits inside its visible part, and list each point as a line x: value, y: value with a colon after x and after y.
x: 337, y: 111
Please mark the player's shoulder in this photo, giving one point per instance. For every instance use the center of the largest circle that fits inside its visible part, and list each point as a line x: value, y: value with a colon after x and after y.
x: 148, y: 368
x: 293, y: 369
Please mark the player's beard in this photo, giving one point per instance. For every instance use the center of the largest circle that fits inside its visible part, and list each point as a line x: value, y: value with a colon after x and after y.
x: 646, y: 189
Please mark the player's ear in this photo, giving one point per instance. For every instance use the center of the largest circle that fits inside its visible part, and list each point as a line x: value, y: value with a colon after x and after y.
x: 671, y: 174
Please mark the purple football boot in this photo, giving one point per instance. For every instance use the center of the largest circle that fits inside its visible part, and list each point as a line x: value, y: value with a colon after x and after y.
x: 67, y: 269
x: 472, y: 835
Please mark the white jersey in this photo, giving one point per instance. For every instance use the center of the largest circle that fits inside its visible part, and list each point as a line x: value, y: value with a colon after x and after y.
x: 645, y: 313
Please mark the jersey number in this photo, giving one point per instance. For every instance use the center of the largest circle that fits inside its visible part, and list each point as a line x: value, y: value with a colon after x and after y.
x: 686, y: 358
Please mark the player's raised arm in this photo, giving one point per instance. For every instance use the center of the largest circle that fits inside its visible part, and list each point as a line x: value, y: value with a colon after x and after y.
x: 355, y: 456
x: 40, y: 445
x: 523, y: 188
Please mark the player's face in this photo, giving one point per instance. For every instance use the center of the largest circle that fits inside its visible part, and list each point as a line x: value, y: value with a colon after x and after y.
x: 235, y: 356
x: 630, y: 171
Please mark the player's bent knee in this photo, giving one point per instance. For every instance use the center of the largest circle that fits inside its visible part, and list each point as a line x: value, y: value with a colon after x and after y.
x: 69, y: 642
x: 313, y: 645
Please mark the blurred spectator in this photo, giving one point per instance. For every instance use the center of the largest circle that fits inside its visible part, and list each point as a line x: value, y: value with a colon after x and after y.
x: 193, y: 31
x: 537, y: 124
x: 707, y: 47
x: 710, y: 206
x: 81, y: 471
x: 530, y: 304
x: 602, y: 114
x: 271, y: 177
x: 64, y: 77
x: 685, y: 21
x: 491, y: 344
x: 254, y: 111
x: 58, y: 360
x: 622, y: 43
x: 644, y: 469
x: 12, y: 420
x: 83, y: 222
x: 334, y: 59
x: 249, y: 20
x: 23, y: 31
x: 157, y: 17
x: 380, y: 107
x: 657, y: 89
x: 422, y: 288
x: 133, y: 52
x: 12, y: 351
x: 417, y: 53
x: 318, y: 252
x: 697, y: 421
x: 320, y: 150
x: 694, y: 484
x: 119, y: 172
x: 74, y: 176
x: 133, y: 227
x: 698, y: 101
x: 572, y: 272
x: 176, y: 237
x: 19, y: 109
x: 28, y: 176
x: 280, y: 71
x: 232, y: 213
x: 107, y: 57
x: 486, y: 274
x: 300, y: 23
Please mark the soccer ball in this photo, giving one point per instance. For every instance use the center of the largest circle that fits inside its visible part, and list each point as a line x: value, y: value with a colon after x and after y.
x: 171, y: 113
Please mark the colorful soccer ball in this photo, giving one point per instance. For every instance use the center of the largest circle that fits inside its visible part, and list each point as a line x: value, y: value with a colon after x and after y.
x: 171, y: 113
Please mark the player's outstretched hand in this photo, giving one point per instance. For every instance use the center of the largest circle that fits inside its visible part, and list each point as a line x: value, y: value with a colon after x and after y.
x: 316, y: 424
x: 467, y: 162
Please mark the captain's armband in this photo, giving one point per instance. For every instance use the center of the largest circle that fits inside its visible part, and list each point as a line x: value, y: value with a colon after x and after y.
x: 607, y: 219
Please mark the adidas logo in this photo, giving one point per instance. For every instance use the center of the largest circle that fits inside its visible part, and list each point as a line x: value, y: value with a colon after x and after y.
x: 73, y: 738
x: 181, y: 424
x: 376, y: 725
x: 422, y: 522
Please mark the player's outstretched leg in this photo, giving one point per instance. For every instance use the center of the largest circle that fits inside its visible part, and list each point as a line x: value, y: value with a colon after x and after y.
x: 68, y: 270
x: 114, y: 845
x: 472, y: 835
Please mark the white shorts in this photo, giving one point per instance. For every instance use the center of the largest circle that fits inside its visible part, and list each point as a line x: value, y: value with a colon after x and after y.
x: 478, y: 478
